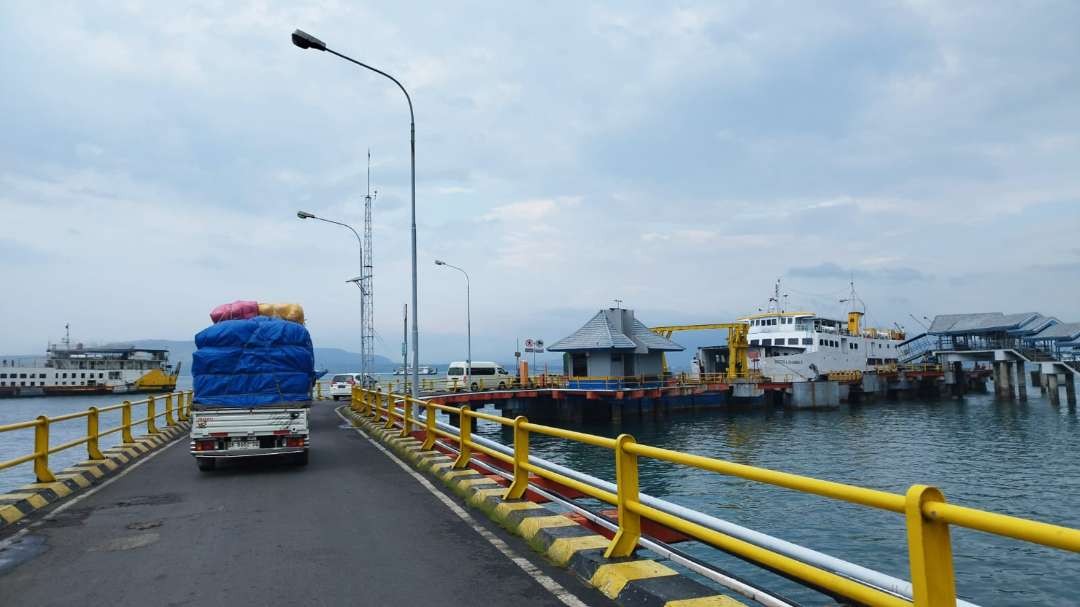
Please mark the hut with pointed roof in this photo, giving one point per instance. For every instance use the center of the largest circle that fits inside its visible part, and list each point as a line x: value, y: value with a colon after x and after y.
x: 614, y: 344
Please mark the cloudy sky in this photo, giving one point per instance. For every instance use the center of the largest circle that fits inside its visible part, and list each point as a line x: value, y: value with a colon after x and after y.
x: 679, y: 157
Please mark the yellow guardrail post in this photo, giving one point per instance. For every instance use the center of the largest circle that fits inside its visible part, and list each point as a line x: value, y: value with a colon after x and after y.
x: 429, y: 428
x: 318, y: 391
x: 125, y: 423
x: 180, y: 414
x: 406, y: 418
x: 93, y: 448
x: 932, y: 580
x: 151, y: 413
x: 389, y: 411
x: 626, y: 479
x: 465, y: 438
x: 521, y: 457
x: 169, y: 421
x: 373, y: 408
x: 190, y: 401
x: 41, y: 451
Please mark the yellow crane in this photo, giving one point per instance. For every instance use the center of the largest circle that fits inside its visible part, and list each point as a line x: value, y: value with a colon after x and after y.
x: 736, y: 339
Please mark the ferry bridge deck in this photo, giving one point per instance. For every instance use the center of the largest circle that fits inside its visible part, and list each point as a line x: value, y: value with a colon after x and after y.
x: 350, y: 528
x: 139, y: 524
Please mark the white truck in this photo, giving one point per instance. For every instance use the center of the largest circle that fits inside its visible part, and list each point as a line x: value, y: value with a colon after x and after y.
x: 219, y: 433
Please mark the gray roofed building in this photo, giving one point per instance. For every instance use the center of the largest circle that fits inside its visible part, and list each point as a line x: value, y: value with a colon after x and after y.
x: 1065, y: 331
x: 614, y: 344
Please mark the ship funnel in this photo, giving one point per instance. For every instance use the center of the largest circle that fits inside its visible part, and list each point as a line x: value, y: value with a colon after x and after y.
x: 854, y: 323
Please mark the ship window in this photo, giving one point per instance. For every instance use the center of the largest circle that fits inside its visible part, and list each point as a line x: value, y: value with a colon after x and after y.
x: 766, y: 342
x: 755, y: 342
x: 101, y: 375
x: 3, y: 375
x: 22, y: 376
x: 41, y: 376
x: 84, y: 376
x: 808, y: 341
x: 65, y: 376
x: 22, y: 383
x: 793, y: 341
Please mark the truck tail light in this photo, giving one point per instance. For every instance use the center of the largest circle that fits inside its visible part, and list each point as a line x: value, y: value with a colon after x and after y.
x: 205, y: 445
x: 294, y: 441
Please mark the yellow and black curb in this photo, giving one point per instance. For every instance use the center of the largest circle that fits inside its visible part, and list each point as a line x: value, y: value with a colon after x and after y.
x: 18, y: 504
x: 628, y: 581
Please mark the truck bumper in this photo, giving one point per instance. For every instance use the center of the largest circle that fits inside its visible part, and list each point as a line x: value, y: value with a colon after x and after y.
x: 222, y: 454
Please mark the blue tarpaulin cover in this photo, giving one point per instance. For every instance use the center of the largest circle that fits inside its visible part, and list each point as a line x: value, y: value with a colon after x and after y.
x: 253, y: 362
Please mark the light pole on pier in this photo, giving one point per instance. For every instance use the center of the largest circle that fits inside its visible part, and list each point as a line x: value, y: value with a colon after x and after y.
x: 305, y: 40
x: 468, y: 318
x: 359, y: 283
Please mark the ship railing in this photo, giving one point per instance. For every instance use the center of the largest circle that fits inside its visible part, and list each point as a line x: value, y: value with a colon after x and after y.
x: 927, y: 515
x: 176, y: 408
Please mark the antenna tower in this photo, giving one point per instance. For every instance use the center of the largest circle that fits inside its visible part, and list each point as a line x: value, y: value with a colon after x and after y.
x: 366, y: 283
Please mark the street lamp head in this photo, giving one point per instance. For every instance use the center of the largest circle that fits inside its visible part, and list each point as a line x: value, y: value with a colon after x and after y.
x: 440, y: 262
x: 304, y: 215
x: 305, y: 40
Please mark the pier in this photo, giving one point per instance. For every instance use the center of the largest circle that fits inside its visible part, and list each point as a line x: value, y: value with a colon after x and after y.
x: 354, y: 527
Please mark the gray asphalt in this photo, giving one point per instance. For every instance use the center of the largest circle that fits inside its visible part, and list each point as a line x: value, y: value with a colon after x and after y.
x: 352, y: 528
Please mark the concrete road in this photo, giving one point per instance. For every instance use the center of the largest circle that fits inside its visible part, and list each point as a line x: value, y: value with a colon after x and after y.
x: 352, y: 528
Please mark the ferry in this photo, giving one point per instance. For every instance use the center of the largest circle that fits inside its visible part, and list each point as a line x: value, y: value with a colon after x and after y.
x: 802, y: 346
x: 71, y: 370
x: 424, y: 370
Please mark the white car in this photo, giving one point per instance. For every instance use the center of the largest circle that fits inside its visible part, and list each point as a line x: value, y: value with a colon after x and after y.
x: 485, y: 376
x: 341, y: 385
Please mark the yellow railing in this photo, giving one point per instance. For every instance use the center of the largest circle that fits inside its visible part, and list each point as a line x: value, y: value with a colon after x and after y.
x: 926, y: 513
x: 43, y: 449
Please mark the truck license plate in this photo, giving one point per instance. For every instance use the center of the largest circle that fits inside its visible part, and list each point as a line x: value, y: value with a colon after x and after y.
x: 244, y: 443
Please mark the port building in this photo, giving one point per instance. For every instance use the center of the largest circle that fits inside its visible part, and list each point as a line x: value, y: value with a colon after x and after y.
x: 614, y: 344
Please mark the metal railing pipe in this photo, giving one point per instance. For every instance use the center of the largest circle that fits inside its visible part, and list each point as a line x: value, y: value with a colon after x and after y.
x: 870, y: 577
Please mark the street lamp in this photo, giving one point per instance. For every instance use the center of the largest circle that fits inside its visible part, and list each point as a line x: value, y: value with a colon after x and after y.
x: 307, y: 41
x: 363, y: 350
x: 468, y: 319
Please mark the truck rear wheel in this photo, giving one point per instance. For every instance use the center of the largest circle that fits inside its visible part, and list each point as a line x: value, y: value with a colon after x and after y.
x: 205, y: 464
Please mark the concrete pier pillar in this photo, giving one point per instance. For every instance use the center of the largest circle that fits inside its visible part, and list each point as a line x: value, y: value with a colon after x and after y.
x: 1021, y: 380
x: 1036, y: 380
x: 1002, y: 375
x: 1052, y: 388
x: 1070, y: 389
x: 959, y: 379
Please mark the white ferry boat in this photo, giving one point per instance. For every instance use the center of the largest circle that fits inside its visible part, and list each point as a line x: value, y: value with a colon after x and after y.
x: 424, y: 370
x: 799, y: 346
x: 69, y: 370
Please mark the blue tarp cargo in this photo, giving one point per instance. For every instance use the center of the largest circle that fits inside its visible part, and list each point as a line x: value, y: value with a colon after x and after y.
x: 254, y: 362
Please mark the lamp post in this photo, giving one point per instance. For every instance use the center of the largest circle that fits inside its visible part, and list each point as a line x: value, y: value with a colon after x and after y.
x: 468, y: 319
x: 359, y: 283
x: 305, y: 40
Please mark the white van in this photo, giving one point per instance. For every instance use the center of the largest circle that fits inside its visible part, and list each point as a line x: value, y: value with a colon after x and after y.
x: 484, y: 376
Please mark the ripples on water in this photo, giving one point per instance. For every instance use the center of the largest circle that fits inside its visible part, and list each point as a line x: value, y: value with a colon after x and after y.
x: 1009, y: 457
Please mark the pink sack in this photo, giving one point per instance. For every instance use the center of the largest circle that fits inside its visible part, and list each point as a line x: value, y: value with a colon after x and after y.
x: 237, y: 310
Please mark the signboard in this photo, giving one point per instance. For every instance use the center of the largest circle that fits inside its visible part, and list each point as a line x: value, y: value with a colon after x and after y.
x: 534, y: 345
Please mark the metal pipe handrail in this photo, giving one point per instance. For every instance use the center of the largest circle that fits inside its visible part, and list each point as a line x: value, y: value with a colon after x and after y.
x: 927, y: 514
x: 43, y: 449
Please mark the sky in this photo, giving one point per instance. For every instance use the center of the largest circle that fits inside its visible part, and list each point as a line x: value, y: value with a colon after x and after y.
x: 679, y: 157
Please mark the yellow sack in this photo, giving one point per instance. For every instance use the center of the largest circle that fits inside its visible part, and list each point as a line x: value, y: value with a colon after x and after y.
x: 286, y: 311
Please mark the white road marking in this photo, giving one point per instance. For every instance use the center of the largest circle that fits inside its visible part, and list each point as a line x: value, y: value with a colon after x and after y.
x: 80, y: 497
x: 549, y: 584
